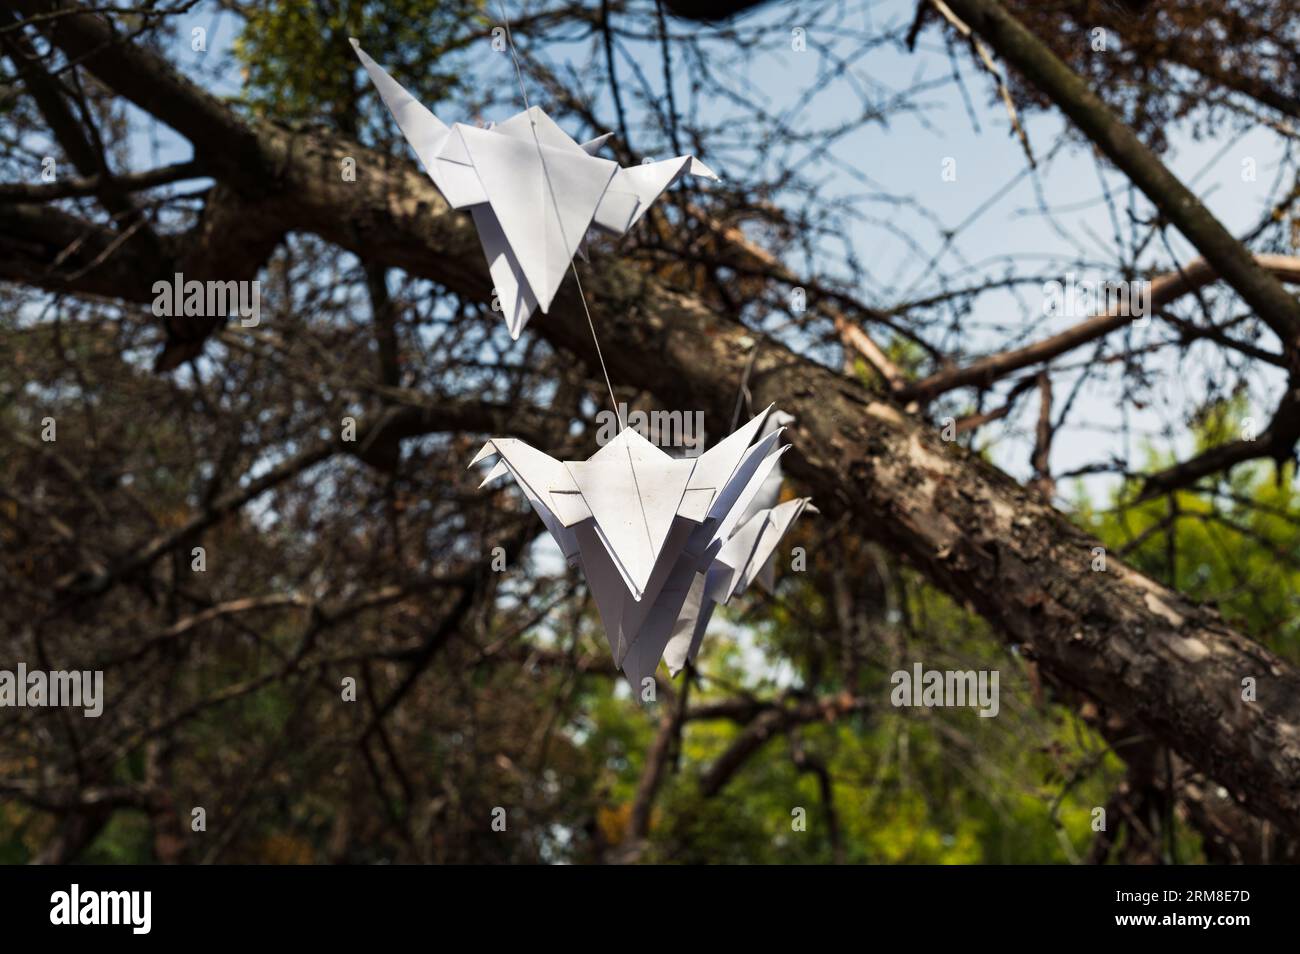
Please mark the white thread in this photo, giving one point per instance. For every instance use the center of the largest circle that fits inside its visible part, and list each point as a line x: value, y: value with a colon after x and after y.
x: 555, y: 202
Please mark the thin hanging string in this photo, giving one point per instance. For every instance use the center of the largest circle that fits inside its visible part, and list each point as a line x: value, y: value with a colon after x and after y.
x: 505, y: 19
x: 744, y: 395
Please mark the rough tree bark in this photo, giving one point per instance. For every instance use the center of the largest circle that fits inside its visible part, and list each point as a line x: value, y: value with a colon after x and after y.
x: 1173, y: 668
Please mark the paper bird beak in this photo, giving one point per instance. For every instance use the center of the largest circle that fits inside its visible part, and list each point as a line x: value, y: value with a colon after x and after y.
x: 698, y: 168
x: 487, y: 450
x: 500, y: 469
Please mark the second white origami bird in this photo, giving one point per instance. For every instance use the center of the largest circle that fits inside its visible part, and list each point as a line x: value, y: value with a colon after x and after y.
x: 651, y: 531
x: 534, y: 192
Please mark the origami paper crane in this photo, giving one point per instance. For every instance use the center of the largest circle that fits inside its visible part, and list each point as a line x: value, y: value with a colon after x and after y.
x: 533, y: 191
x: 644, y: 525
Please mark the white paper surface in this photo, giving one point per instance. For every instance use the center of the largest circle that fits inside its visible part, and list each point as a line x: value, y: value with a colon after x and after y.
x: 534, y: 191
x: 659, y: 539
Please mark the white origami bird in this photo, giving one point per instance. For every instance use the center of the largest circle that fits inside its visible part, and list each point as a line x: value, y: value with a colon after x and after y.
x: 644, y: 526
x: 533, y: 191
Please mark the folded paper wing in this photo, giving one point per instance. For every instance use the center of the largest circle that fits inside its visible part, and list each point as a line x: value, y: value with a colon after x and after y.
x: 644, y: 526
x: 746, y: 553
x: 533, y: 191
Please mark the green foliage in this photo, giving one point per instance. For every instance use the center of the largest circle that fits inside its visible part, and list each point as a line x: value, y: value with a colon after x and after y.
x: 902, y: 792
x: 299, y: 66
x: 124, y: 840
x: 1235, y: 546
